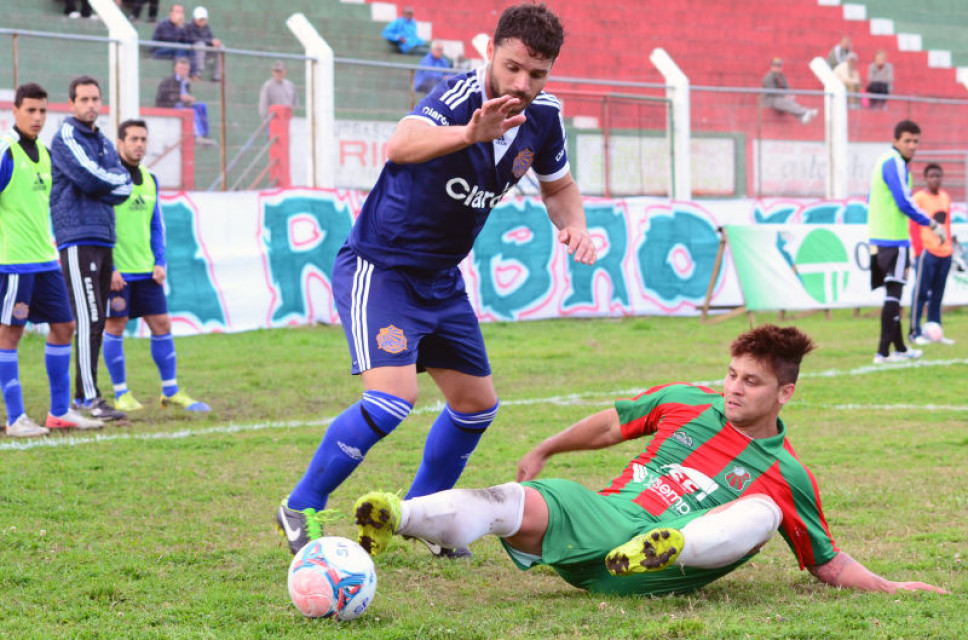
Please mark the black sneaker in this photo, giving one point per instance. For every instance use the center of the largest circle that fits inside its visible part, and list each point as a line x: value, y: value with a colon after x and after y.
x: 300, y: 526
x: 99, y: 409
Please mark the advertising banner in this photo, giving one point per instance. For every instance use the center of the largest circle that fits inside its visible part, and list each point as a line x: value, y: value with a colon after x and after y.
x: 800, y: 267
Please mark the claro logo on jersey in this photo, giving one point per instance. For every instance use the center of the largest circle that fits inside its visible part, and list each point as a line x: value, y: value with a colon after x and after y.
x: 435, y: 115
x: 677, y: 482
x: 473, y: 196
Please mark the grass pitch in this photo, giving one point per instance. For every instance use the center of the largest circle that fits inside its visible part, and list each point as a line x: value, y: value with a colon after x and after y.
x: 164, y: 529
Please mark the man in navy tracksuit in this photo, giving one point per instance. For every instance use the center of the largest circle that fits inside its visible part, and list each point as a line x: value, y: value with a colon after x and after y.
x: 88, y: 180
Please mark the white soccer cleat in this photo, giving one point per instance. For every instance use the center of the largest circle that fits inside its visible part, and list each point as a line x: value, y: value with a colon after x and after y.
x: 72, y: 420
x: 24, y: 427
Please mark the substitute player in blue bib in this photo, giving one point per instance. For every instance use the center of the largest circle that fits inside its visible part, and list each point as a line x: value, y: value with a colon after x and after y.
x: 398, y: 289
x: 137, y: 284
x: 31, y: 284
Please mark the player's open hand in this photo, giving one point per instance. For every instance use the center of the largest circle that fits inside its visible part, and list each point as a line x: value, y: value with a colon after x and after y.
x: 916, y: 586
x: 579, y: 243
x: 531, y: 465
x: 493, y: 119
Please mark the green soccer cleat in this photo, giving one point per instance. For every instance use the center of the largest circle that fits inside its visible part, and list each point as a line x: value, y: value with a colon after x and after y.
x: 186, y: 402
x: 652, y: 551
x: 377, y: 519
x: 127, y: 403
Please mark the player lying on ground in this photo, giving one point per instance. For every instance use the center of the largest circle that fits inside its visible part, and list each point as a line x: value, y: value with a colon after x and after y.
x: 716, y: 481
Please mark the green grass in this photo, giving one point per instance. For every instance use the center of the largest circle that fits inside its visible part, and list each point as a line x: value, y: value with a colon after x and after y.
x: 133, y: 533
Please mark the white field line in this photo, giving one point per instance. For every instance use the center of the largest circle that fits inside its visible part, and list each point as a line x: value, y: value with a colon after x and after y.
x: 588, y: 398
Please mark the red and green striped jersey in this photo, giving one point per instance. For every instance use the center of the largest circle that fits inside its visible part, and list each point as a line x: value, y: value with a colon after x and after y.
x: 696, y: 460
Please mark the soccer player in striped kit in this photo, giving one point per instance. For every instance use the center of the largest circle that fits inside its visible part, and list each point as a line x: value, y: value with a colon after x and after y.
x: 396, y: 282
x: 716, y: 480
x: 31, y: 284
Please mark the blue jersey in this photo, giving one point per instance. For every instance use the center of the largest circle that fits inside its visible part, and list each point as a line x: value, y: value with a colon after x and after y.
x: 426, y: 216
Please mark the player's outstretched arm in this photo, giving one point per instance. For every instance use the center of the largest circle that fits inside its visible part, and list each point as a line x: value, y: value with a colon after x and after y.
x: 844, y: 571
x: 567, y: 212
x: 417, y: 141
x: 597, y: 431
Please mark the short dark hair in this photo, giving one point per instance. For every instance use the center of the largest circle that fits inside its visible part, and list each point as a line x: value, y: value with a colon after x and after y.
x: 77, y: 82
x: 535, y: 25
x: 30, y: 90
x: 782, y: 348
x: 127, y: 124
x: 933, y: 165
x: 906, y: 126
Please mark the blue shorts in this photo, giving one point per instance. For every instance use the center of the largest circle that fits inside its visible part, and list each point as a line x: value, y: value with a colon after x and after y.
x: 397, y: 317
x: 137, y: 299
x: 37, y: 297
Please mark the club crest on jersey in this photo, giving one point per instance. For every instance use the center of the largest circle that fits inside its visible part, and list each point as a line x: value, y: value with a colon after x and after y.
x: 522, y: 162
x: 738, y: 477
x: 391, y: 339
x: 118, y: 304
x: 21, y: 310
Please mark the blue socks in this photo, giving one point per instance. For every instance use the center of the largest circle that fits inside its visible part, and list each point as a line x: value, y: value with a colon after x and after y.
x: 451, y: 441
x: 57, y: 357
x: 346, y: 442
x: 113, y: 348
x: 163, y: 353
x: 10, y: 383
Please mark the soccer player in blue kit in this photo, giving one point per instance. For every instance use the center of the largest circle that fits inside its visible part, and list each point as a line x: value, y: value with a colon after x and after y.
x: 396, y: 282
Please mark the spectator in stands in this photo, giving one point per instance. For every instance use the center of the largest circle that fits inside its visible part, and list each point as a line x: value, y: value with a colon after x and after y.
x: 277, y: 90
x: 880, y: 78
x: 71, y: 9
x: 932, y: 258
x: 198, y: 33
x: 137, y: 5
x: 774, y: 79
x: 848, y: 73
x: 175, y: 92
x: 402, y: 34
x: 171, y: 29
x: 839, y: 52
x: 425, y: 80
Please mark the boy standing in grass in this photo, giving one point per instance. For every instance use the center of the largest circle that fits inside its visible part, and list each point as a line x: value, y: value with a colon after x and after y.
x: 137, y: 284
x: 32, y: 286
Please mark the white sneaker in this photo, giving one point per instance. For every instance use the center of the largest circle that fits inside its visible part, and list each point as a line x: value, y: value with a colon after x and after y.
x: 74, y: 15
x: 879, y: 359
x: 24, y: 427
x: 808, y: 116
x: 910, y: 354
x: 72, y: 420
x: 944, y: 340
x: 920, y: 340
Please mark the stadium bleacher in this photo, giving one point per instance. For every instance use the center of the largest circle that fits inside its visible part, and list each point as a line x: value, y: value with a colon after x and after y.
x: 718, y: 43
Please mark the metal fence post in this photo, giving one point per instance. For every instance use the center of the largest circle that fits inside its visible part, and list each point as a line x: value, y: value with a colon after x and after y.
x: 123, y: 63
x: 835, y: 128
x: 320, y: 106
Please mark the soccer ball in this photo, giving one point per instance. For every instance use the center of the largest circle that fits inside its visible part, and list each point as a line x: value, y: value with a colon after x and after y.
x: 332, y: 577
x: 932, y: 331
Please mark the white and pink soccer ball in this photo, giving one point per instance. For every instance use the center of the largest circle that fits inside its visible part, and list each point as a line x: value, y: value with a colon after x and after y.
x: 932, y: 331
x: 332, y: 577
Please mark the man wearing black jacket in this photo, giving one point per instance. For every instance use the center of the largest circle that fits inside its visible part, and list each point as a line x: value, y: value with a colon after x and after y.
x: 88, y: 180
